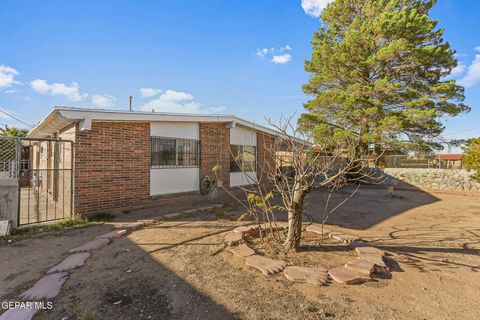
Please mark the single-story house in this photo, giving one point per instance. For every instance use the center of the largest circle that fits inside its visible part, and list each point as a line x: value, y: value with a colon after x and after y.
x: 129, y: 159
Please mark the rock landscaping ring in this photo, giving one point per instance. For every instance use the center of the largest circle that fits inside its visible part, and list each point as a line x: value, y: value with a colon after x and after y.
x: 370, y: 260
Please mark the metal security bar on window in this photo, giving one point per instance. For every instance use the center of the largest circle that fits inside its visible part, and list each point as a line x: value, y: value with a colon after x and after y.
x: 174, y: 153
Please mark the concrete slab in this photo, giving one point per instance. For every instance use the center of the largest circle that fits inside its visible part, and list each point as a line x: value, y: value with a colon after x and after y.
x: 19, y: 314
x: 318, y: 229
x: 265, y: 265
x: 347, y: 276
x: 76, y: 260
x: 363, y: 266
x: 242, y: 251
x: 115, y: 234
x: 233, y: 238
x: 92, y: 245
x: 46, y: 288
x: 317, y: 276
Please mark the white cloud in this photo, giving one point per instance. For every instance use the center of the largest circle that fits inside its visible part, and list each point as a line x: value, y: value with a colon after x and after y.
x: 71, y: 92
x: 282, y: 59
x: 458, y: 70
x: 263, y: 52
x: 314, y: 7
x: 178, y: 102
x: 149, y: 92
x: 103, y: 100
x: 7, y: 75
x: 276, y: 55
x: 473, y: 72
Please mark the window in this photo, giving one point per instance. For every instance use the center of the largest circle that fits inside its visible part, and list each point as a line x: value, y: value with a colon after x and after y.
x: 173, y: 153
x: 243, y: 158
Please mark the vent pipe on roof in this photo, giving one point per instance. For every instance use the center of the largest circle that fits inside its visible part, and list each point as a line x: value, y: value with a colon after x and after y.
x: 130, y: 103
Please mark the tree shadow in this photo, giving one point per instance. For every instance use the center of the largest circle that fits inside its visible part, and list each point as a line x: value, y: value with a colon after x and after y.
x: 369, y: 206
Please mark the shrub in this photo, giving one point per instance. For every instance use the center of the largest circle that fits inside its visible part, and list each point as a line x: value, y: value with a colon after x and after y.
x: 471, y: 158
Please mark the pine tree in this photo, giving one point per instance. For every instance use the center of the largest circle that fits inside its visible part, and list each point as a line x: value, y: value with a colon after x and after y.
x: 379, y: 70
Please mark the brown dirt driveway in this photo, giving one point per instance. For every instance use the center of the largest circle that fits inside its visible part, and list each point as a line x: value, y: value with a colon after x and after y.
x: 177, y: 270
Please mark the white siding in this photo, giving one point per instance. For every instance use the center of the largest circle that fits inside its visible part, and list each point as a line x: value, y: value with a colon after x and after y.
x: 185, y: 130
x: 173, y: 180
x: 242, y: 179
x: 243, y: 136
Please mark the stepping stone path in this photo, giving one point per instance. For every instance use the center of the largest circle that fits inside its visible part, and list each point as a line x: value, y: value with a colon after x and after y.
x: 363, y: 266
x: 347, y: 276
x: 317, y: 276
x: 359, y: 244
x: 233, y: 238
x: 342, y: 237
x: 369, y: 261
x: 318, y: 229
x: 92, y: 245
x: 49, y: 286
x: 46, y: 288
x: 376, y: 259
x: 19, y: 314
x: 245, y: 229
x: 76, y: 260
x: 242, y: 251
x: 172, y: 215
x: 369, y: 250
x: 266, y: 265
x: 115, y: 234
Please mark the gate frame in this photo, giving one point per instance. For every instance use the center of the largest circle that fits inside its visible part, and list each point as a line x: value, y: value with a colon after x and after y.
x: 18, y: 158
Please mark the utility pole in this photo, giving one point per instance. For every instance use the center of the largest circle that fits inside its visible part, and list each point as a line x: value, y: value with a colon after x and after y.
x: 130, y: 103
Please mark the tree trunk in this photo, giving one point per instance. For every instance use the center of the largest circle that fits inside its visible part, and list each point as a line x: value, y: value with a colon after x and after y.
x: 292, y: 243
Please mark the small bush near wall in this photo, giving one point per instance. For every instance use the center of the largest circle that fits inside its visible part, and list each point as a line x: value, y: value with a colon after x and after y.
x: 437, y: 179
x: 472, y: 157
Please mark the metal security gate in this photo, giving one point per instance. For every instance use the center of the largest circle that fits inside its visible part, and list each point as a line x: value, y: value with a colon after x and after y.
x: 42, y: 169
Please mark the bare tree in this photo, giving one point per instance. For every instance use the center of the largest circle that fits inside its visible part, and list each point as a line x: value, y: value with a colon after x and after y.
x: 291, y: 167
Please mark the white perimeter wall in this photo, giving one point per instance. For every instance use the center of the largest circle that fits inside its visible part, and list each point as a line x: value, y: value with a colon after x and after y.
x: 173, y: 180
x: 245, y: 137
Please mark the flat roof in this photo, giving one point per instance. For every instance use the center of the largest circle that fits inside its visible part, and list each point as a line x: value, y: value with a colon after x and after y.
x: 60, y: 117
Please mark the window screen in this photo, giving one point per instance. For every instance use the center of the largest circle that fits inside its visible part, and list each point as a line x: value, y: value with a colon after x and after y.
x: 243, y: 158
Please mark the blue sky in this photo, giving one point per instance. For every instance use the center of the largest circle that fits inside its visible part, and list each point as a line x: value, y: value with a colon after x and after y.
x: 217, y: 56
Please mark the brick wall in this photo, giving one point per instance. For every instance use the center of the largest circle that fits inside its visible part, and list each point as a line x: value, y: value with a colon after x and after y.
x: 112, y: 166
x: 265, y: 156
x: 215, y: 150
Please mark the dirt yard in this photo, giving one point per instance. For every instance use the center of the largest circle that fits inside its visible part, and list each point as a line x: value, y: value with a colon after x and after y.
x: 177, y: 270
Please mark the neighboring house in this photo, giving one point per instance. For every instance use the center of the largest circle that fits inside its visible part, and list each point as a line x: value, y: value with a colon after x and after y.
x: 448, y: 161
x: 125, y: 160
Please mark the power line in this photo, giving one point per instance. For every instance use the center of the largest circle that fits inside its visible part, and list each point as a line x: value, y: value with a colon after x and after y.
x: 462, y: 131
x: 13, y: 117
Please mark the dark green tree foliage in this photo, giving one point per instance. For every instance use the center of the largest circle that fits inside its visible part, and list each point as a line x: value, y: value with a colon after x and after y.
x: 378, y: 72
x: 471, y: 158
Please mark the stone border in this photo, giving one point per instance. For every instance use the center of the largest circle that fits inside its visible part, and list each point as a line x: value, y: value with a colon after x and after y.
x: 50, y: 285
x: 370, y: 260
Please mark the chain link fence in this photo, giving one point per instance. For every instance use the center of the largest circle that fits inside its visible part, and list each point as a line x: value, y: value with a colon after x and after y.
x: 438, y: 161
